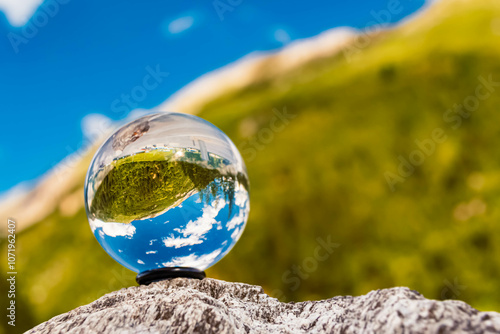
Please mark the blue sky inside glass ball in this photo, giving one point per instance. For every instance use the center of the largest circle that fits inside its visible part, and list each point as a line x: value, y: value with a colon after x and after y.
x: 194, y: 234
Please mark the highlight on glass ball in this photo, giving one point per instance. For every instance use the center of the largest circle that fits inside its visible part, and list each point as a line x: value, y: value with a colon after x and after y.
x: 167, y: 190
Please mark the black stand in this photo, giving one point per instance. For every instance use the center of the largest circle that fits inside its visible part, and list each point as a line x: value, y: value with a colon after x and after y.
x: 160, y: 274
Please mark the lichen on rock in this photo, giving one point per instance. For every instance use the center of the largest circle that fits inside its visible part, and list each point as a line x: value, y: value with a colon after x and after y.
x: 212, y: 306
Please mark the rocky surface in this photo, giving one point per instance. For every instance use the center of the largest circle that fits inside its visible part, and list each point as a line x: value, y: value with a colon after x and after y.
x: 211, y: 306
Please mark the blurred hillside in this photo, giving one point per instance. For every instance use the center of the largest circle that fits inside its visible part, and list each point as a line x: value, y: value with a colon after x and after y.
x: 407, y: 94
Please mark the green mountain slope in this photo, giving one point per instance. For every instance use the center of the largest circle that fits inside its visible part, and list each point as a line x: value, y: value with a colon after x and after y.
x: 320, y: 143
x: 147, y: 184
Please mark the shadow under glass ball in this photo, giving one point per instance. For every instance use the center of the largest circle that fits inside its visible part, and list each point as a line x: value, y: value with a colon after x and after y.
x: 167, y: 191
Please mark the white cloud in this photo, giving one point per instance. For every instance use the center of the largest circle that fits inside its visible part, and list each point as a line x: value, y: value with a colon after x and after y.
x: 237, y: 220
x: 181, y: 24
x: 195, y: 230
x: 241, y: 195
x: 201, y: 262
x: 140, y: 261
x: 236, y: 234
x: 241, y: 200
x: 282, y: 36
x: 178, y: 242
x: 114, y: 229
x: 18, y: 12
x: 95, y: 126
x: 137, y: 113
x: 151, y: 252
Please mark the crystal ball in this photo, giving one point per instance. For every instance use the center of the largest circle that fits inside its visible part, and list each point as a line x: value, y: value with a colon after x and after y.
x: 167, y: 190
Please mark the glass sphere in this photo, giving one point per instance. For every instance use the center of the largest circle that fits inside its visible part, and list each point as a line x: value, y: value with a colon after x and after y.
x: 167, y: 190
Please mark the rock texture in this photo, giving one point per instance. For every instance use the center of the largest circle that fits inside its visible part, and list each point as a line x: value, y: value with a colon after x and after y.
x: 211, y: 306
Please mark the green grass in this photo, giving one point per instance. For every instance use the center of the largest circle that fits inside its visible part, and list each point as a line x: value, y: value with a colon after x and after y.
x: 147, y: 184
x: 322, y: 175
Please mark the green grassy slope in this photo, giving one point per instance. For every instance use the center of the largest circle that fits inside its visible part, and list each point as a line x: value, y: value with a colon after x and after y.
x: 144, y: 185
x: 321, y: 174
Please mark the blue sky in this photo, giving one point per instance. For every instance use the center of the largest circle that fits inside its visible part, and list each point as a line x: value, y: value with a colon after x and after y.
x: 74, y: 58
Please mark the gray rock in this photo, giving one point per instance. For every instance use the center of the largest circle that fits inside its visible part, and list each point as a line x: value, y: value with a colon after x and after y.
x: 212, y: 306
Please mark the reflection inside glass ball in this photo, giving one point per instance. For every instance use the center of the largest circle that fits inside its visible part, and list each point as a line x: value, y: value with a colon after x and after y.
x: 167, y: 190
